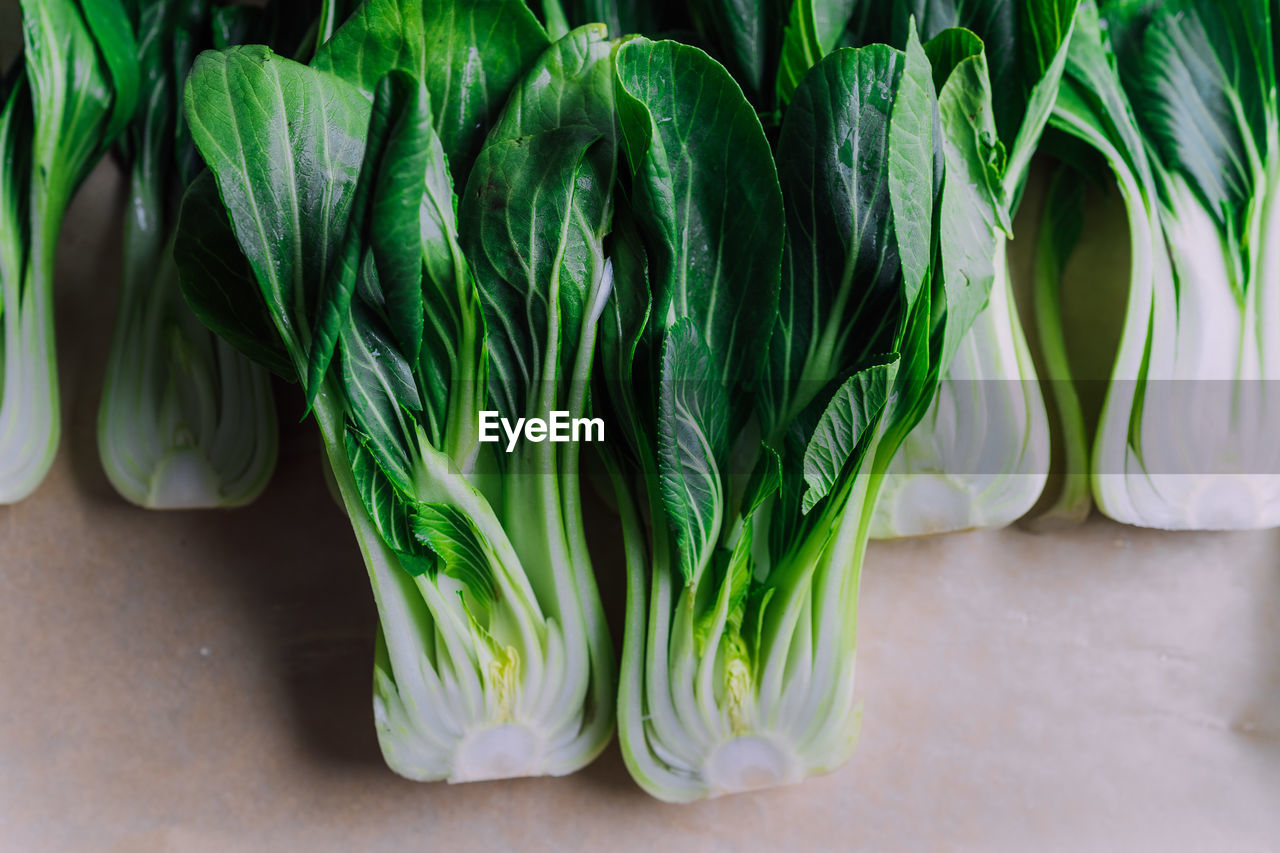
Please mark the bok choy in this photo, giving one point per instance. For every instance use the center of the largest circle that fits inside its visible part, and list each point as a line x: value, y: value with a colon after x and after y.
x: 404, y: 320
x: 72, y: 93
x: 747, y: 486
x: 980, y: 456
x: 185, y: 420
x: 1179, y: 98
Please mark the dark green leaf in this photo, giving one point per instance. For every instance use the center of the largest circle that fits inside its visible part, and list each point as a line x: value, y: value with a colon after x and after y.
x: 218, y: 281
x: 380, y: 37
x: 972, y: 225
x: 453, y: 337
x: 831, y: 19
x: 787, y: 524
x: 765, y: 482
x: 801, y: 48
x: 383, y: 215
x: 919, y: 368
x: 1023, y: 40
x: 842, y: 272
x: 119, y: 53
x: 15, y: 166
x: 947, y: 50
x: 1202, y: 80
x: 156, y: 145
x: 1026, y: 45
x: 534, y: 217
x: 813, y: 30
x: 395, y: 234
x: 388, y: 506
x: 915, y: 167
x: 706, y: 194
x: 72, y: 101
x: 380, y: 388
x: 532, y: 252
x: 744, y: 31
x: 285, y: 143
x: 476, y: 51
x: 1051, y: 24
x: 1092, y: 105
x: 621, y: 329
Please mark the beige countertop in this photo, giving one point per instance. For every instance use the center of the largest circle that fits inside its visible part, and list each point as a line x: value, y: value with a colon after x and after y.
x: 201, y: 681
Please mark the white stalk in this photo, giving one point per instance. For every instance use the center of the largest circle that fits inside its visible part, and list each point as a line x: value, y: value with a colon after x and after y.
x: 980, y: 455
x: 185, y: 421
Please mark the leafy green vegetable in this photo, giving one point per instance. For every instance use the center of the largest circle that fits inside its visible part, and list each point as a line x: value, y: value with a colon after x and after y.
x: 493, y: 658
x: 981, y: 455
x: 214, y: 274
x: 758, y: 467
x: 1179, y: 99
x: 185, y: 421
x: 75, y: 91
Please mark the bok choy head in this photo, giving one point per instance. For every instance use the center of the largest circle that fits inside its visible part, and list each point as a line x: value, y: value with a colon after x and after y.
x: 185, y: 420
x: 71, y: 96
x: 404, y: 319
x: 981, y: 454
x: 1180, y: 100
x: 751, y: 471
